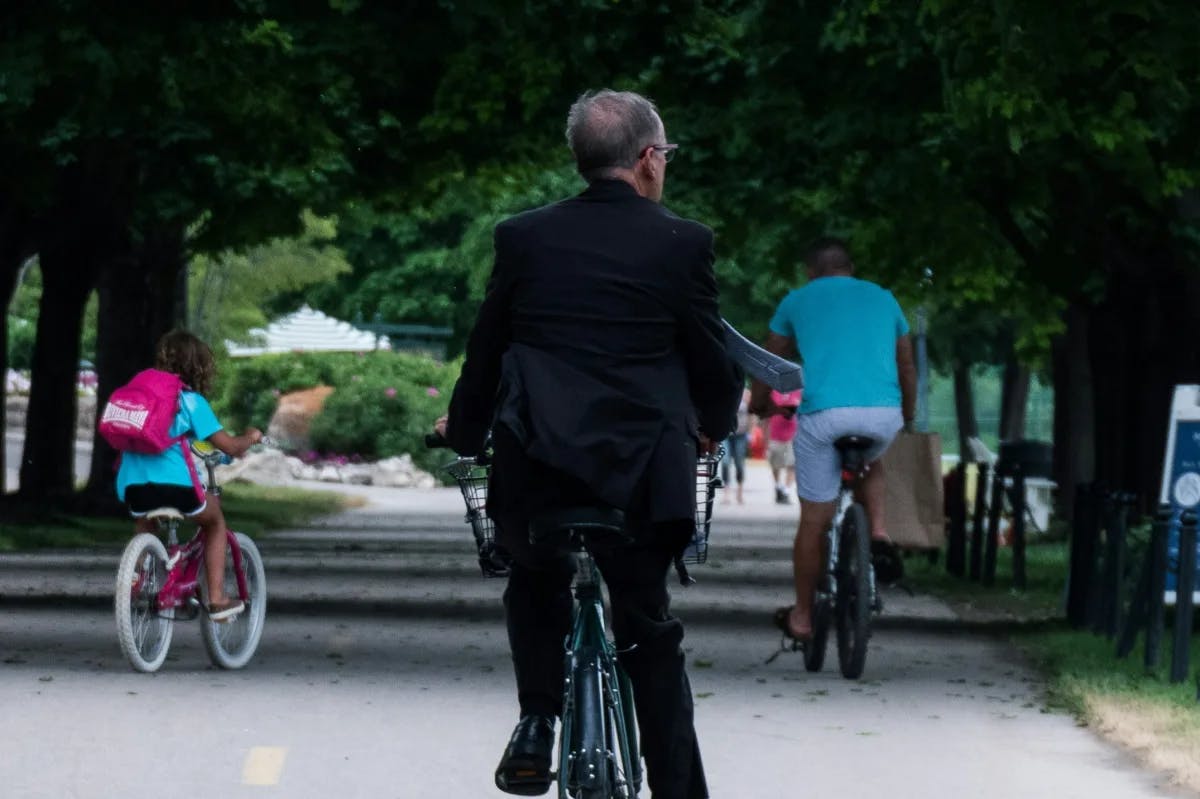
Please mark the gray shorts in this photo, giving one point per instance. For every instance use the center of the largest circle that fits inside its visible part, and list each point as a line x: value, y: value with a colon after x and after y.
x: 818, y: 464
x: 781, y: 454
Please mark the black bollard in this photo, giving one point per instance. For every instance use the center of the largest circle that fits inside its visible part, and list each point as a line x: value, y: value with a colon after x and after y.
x: 956, y: 512
x: 1158, y: 585
x: 1185, y: 583
x: 1084, y: 534
x: 1099, y: 598
x: 1018, y: 527
x: 1116, y: 535
x: 981, y: 478
x: 993, y: 529
x: 1136, y: 618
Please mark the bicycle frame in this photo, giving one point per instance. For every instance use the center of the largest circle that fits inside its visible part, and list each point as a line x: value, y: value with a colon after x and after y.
x: 183, y: 569
x: 832, y: 535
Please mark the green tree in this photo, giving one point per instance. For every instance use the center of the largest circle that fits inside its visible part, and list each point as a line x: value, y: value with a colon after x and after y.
x: 229, y: 290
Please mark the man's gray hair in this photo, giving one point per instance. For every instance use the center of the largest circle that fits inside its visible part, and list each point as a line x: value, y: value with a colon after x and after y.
x: 608, y: 129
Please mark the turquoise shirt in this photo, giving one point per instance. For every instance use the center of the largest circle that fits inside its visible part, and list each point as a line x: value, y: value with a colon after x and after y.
x: 195, y: 418
x: 845, y: 330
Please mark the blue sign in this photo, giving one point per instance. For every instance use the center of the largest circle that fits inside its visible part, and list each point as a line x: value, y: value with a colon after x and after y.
x: 1185, y: 466
x: 1184, y: 491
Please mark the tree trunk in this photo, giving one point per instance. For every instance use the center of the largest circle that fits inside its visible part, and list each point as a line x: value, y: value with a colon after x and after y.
x: 964, y: 407
x: 15, y: 246
x: 47, y: 465
x: 1014, y: 398
x: 1074, y: 416
x: 139, y: 301
x: 86, y: 226
x: 1141, y: 346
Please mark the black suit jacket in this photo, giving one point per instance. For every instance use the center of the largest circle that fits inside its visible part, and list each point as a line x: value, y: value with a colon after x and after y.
x: 599, y: 347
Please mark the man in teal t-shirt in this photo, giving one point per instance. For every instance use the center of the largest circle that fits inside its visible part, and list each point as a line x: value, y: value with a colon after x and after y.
x: 859, y: 379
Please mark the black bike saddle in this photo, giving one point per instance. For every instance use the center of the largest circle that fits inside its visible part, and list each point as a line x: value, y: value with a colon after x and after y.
x: 558, y: 526
x: 853, y: 449
x: 853, y: 443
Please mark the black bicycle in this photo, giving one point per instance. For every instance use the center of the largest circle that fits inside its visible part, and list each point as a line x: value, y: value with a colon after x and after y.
x: 598, y: 754
x: 846, y: 590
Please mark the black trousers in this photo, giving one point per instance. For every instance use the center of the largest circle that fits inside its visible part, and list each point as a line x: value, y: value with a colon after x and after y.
x: 538, y: 603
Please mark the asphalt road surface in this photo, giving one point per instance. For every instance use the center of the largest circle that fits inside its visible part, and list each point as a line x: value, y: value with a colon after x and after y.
x: 383, y: 672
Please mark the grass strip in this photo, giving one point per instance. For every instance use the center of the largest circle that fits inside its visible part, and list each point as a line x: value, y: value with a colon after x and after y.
x: 1042, y: 598
x: 1157, y: 721
x: 251, y: 509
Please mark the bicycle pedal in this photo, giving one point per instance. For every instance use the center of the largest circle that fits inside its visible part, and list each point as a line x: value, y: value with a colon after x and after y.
x: 187, y: 611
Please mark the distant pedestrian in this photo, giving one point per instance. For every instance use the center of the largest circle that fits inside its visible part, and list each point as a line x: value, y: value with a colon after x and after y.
x: 736, y: 448
x: 781, y: 456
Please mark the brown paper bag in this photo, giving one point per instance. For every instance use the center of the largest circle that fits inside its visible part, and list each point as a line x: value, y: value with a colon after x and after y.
x: 913, y: 471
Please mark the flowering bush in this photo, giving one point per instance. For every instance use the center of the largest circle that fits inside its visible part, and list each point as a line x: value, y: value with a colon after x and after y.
x: 383, y: 403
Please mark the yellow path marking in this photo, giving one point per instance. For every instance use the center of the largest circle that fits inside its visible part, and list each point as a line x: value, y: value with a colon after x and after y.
x: 263, y: 765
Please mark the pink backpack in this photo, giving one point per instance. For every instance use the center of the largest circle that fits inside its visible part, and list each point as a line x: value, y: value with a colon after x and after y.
x: 139, y: 414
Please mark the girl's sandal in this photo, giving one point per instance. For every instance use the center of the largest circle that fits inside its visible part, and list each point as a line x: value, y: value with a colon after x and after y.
x: 225, y: 610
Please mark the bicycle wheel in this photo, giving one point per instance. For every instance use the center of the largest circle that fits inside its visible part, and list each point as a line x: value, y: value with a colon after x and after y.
x: 814, y: 650
x: 143, y: 632
x: 854, y: 592
x: 629, y: 734
x: 231, y: 644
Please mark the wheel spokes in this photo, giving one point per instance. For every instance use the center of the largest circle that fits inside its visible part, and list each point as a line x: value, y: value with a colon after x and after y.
x: 143, y: 610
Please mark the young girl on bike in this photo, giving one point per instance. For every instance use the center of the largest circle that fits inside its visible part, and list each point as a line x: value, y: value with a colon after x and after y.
x: 147, y: 482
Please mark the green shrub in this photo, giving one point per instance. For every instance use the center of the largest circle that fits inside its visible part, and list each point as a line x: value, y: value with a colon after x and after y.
x: 383, y: 403
x: 248, y: 388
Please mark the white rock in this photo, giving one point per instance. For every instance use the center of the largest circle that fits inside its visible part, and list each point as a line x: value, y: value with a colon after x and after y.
x: 390, y: 476
x: 356, y: 474
x: 269, y: 466
x: 307, y: 472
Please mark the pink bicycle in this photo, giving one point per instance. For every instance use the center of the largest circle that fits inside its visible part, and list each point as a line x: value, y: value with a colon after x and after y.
x: 158, y: 585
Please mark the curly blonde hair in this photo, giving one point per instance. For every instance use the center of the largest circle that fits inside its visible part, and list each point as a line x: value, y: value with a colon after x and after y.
x: 182, y: 353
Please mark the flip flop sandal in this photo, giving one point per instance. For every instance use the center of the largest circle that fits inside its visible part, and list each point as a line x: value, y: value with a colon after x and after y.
x: 225, y: 611
x: 781, y: 621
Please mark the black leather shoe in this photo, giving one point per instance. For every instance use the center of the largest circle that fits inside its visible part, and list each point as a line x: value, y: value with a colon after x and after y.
x: 525, y: 767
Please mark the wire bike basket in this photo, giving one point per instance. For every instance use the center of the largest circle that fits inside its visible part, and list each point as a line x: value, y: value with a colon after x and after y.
x: 707, y: 483
x: 472, y: 479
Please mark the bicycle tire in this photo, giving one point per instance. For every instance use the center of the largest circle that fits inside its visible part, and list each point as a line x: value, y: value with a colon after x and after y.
x: 232, y: 644
x: 143, y: 632
x: 854, y: 592
x: 814, y: 649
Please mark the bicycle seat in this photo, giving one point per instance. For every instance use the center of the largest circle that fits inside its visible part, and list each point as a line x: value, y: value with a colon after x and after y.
x: 853, y: 443
x: 853, y: 450
x: 558, y: 524
x: 165, y: 514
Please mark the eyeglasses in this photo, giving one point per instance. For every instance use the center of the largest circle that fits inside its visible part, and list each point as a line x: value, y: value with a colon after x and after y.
x: 667, y: 150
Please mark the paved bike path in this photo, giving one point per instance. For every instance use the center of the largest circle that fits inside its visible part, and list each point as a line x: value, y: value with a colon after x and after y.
x: 940, y: 711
